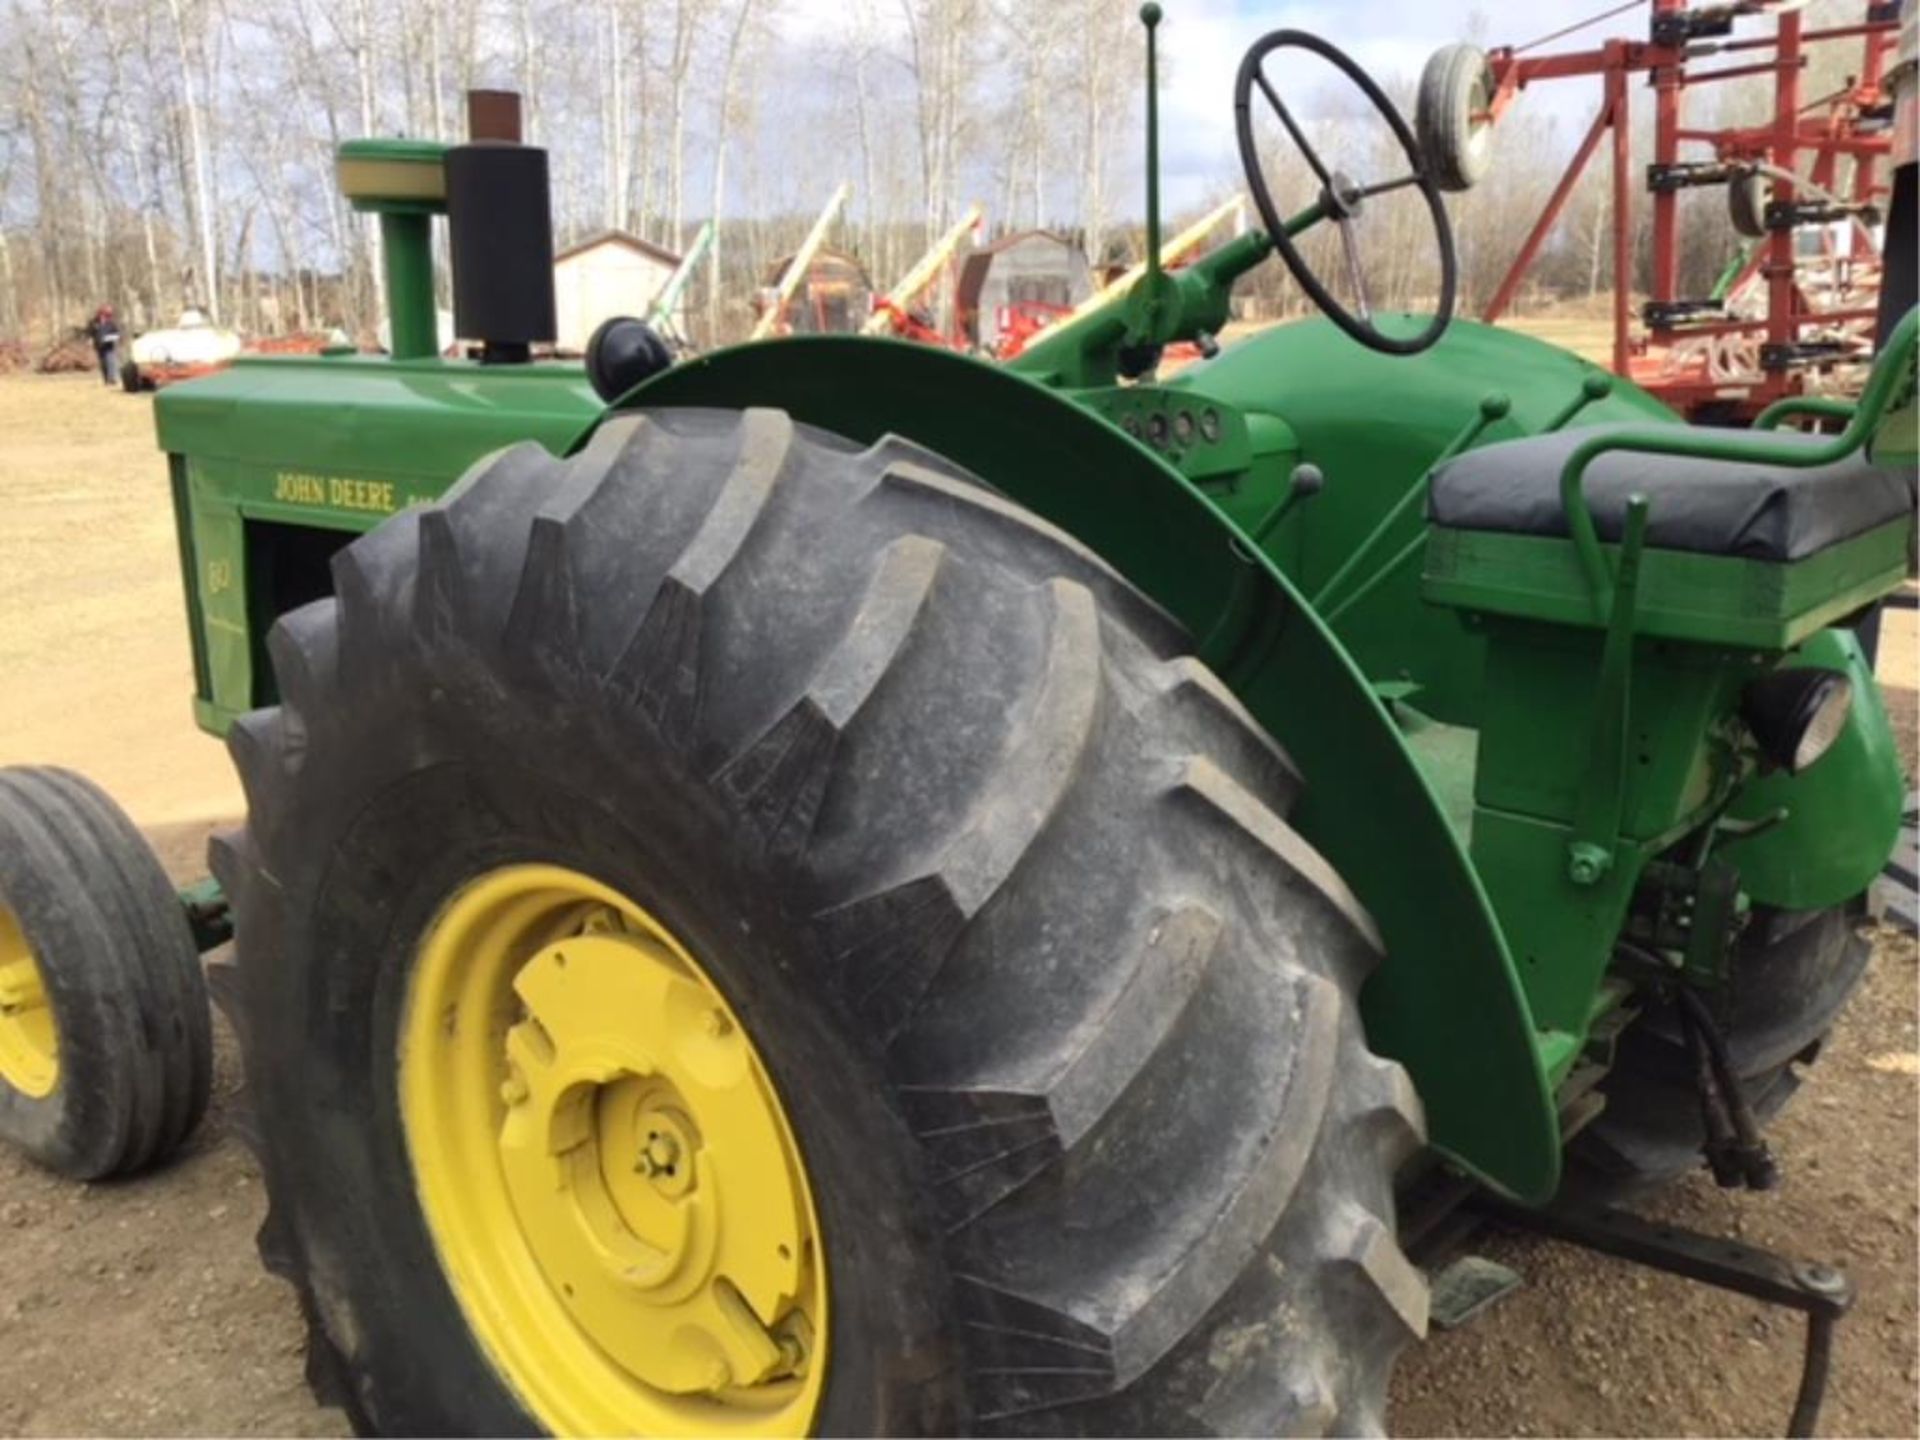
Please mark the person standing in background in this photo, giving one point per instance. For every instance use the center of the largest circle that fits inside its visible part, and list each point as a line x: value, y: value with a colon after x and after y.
x: 104, y: 331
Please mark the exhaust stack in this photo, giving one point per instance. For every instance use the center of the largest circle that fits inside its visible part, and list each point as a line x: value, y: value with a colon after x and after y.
x: 493, y: 191
x: 500, y: 233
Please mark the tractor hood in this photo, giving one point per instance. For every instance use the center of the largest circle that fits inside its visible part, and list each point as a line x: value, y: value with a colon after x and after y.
x: 418, y: 423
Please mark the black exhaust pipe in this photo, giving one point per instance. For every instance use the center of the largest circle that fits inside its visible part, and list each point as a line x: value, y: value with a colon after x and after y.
x: 500, y: 233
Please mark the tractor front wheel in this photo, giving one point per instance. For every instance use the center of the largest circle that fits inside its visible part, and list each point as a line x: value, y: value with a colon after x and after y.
x: 106, y: 1042
x: 742, y: 934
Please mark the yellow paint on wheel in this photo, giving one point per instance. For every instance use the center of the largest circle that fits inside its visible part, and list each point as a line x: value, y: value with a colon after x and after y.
x: 29, y: 1039
x: 606, y: 1169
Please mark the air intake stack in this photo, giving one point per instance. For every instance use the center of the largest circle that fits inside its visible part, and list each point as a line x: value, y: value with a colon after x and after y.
x: 500, y: 232
x: 493, y: 191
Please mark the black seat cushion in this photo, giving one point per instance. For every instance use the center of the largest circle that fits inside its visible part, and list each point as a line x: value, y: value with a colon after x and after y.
x: 1750, y: 509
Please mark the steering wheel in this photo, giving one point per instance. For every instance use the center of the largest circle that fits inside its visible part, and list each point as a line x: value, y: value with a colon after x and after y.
x: 1341, y: 198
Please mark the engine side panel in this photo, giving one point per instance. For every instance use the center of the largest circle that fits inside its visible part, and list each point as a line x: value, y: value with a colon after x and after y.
x: 275, y: 462
x: 1374, y: 424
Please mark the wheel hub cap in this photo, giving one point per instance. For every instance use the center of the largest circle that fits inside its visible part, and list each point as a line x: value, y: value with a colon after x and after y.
x: 606, y: 1169
x: 29, y: 1040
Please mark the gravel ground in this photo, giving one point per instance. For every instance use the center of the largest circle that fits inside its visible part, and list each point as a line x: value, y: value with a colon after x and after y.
x: 138, y: 1308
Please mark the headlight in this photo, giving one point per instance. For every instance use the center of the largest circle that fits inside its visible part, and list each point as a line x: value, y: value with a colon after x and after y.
x: 1796, y: 715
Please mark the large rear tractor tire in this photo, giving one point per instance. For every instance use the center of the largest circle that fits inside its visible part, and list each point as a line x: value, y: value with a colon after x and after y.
x: 1793, y: 974
x: 106, y: 1047
x: 742, y: 933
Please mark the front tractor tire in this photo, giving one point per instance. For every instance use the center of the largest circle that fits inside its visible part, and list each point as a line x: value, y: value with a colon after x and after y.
x: 106, y: 1040
x: 740, y: 932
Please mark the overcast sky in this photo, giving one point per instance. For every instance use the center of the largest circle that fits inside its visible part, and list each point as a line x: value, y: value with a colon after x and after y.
x: 1203, y: 40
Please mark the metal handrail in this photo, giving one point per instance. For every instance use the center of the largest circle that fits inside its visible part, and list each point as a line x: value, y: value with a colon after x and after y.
x: 1812, y: 407
x: 1893, y: 372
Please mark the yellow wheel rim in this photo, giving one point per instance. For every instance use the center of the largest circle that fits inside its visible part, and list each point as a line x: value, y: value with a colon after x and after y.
x: 29, y: 1040
x: 606, y: 1169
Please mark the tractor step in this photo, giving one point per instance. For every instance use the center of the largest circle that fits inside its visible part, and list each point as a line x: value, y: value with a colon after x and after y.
x: 1467, y: 1288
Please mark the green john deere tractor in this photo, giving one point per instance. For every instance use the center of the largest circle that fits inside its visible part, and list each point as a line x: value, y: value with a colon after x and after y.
x: 833, y: 886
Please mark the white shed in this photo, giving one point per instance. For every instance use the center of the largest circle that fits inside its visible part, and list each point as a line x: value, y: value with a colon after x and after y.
x: 611, y: 273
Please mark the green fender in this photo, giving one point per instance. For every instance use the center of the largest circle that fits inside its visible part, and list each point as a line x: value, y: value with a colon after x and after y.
x: 1843, y: 811
x: 1447, y: 1002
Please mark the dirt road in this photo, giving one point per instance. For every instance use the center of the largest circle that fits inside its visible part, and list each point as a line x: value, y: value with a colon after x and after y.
x: 93, y: 639
x: 138, y: 1307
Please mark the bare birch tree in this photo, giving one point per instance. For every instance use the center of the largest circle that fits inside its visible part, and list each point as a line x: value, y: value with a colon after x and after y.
x: 184, y: 152
x: 722, y: 129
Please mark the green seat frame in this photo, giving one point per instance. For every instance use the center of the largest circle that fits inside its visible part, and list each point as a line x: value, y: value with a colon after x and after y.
x: 1682, y: 595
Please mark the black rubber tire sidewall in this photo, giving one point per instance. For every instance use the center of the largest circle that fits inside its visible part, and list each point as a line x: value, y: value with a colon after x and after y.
x: 78, y: 1126
x: 1798, y: 982
x: 118, y: 963
x: 1443, y: 116
x: 846, y: 805
x: 408, y: 850
x: 1747, y: 197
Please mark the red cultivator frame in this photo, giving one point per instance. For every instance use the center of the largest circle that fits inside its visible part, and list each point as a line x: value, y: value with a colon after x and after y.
x: 1807, y: 188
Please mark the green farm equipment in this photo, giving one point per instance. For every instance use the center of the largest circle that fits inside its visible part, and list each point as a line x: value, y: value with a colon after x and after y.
x: 836, y: 886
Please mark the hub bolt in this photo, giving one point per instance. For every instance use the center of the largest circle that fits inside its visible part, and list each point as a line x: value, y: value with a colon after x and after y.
x: 660, y: 1155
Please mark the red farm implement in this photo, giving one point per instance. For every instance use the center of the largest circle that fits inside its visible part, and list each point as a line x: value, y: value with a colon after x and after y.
x: 1806, y: 190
